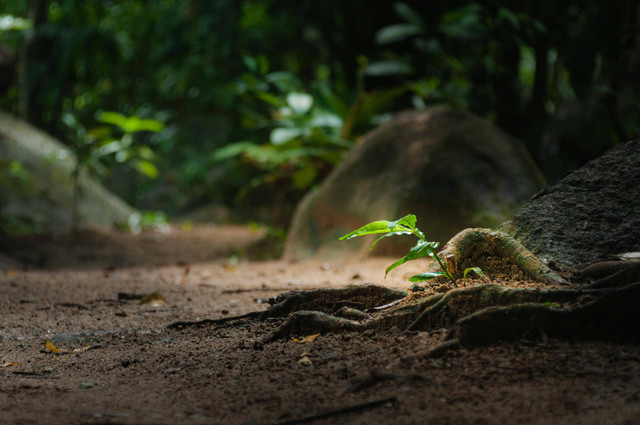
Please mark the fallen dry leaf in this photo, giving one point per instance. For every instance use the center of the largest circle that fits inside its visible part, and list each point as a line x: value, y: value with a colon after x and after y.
x: 48, y: 345
x: 308, y: 338
x: 9, y: 364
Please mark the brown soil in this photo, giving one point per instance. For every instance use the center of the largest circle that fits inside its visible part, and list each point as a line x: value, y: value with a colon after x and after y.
x: 86, y: 292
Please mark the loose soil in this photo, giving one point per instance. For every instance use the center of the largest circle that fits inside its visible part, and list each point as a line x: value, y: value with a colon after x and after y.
x: 86, y: 293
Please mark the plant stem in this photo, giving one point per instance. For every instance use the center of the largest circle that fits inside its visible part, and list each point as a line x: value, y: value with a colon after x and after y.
x: 446, y: 271
x: 444, y: 268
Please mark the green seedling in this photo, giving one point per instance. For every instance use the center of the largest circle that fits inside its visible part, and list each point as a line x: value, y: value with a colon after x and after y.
x: 423, y: 248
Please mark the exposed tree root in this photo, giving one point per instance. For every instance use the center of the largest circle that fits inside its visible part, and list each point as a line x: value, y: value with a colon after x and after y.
x: 205, y: 322
x: 305, y: 322
x: 465, y: 248
x: 475, y: 315
x: 435, y: 312
x: 613, y: 316
x: 461, y: 302
x: 362, y: 297
x: 612, y: 274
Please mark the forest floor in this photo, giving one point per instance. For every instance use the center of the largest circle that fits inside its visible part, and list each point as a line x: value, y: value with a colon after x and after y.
x: 119, y: 363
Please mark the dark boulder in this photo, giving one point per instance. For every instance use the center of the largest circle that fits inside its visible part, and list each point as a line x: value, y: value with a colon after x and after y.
x: 589, y: 215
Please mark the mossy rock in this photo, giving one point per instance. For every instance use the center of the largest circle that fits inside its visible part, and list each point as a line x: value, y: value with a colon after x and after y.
x: 589, y: 215
x: 40, y: 197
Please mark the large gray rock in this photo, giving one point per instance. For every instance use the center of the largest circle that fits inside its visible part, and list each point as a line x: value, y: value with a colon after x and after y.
x: 43, y: 195
x: 452, y: 169
x: 589, y: 215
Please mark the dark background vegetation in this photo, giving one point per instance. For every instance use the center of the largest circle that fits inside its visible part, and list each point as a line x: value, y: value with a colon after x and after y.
x: 232, y: 82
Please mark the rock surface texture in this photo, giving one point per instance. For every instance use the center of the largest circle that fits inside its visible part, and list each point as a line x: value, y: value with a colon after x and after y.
x: 42, y: 194
x: 452, y: 169
x: 589, y: 215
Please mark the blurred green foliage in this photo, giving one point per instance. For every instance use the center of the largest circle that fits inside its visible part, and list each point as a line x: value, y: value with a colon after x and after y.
x: 261, y: 98
x: 98, y: 149
x: 14, y: 176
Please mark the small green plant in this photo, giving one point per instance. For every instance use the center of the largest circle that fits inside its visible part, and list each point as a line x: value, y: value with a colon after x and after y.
x: 423, y: 248
x: 114, y: 140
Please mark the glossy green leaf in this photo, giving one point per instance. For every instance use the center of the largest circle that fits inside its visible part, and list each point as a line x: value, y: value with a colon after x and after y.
x: 408, y: 220
x: 280, y: 136
x: 397, y: 233
x: 426, y: 276
x: 402, y: 226
x: 476, y: 270
x: 422, y: 249
x: 380, y: 226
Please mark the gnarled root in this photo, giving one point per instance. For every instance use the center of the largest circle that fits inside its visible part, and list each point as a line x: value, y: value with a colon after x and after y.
x: 461, y: 302
x: 470, y: 244
x: 306, y: 322
x: 613, y: 316
x: 476, y: 315
x: 329, y: 300
x: 437, y: 311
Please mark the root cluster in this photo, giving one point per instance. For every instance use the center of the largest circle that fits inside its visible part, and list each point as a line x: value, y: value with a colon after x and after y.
x: 482, y: 314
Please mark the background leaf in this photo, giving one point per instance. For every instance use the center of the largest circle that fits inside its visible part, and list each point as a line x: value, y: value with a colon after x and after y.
x: 280, y: 136
x: 394, y: 33
x: 300, y: 103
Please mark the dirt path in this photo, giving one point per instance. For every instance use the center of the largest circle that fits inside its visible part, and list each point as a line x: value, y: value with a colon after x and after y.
x: 87, y: 293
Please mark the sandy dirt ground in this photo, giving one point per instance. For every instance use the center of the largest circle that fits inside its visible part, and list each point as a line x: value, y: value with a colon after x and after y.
x: 88, y: 298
